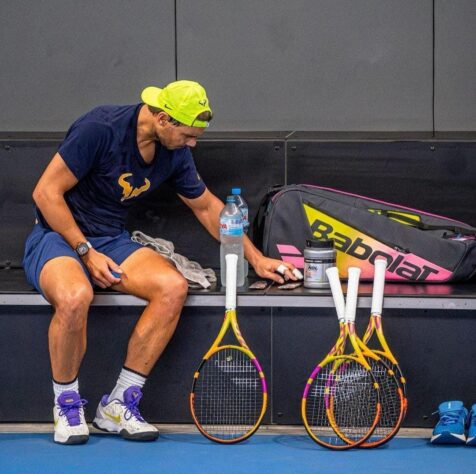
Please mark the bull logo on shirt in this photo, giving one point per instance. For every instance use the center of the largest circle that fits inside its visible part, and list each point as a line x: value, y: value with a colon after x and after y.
x: 128, y: 191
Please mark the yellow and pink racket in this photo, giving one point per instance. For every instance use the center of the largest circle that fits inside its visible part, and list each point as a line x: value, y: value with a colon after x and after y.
x: 229, y: 394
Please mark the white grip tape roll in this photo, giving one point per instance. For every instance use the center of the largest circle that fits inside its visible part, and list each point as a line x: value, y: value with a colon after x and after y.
x: 379, y: 284
x: 298, y: 274
x: 231, y: 262
x: 352, y: 293
x: 336, y: 289
x: 281, y: 269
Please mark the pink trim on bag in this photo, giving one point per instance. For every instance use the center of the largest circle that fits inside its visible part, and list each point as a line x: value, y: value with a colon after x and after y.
x: 288, y: 249
x: 296, y: 261
x: 384, y: 202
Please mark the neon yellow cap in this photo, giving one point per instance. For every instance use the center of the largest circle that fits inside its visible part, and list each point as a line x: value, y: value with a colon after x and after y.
x: 182, y: 100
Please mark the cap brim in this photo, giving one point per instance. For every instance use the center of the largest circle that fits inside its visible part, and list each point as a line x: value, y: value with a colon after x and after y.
x: 150, y: 96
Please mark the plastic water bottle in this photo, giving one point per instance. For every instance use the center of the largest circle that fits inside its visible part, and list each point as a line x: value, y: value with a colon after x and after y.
x: 243, y: 207
x: 231, y: 239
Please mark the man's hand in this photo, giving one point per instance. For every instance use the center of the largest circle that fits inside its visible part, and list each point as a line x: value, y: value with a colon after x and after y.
x: 271, y: 268
x: 100, y: 267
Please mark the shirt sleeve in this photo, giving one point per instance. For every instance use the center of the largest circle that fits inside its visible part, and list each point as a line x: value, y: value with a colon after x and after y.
x: 84, y: 144
x: 185, y: 179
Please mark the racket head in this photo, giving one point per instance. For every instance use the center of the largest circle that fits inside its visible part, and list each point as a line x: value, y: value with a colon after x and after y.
x: 340, y: 406
x: 229, y: 395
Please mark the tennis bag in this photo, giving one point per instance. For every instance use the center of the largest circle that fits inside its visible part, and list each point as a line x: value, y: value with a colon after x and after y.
x: 418, y: 246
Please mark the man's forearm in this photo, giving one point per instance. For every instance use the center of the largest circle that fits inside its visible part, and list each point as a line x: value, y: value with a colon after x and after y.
x: 251, y: 252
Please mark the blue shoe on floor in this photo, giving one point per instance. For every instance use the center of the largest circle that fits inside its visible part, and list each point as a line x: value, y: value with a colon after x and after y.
x: 471, y: 441
x: 450, y: 428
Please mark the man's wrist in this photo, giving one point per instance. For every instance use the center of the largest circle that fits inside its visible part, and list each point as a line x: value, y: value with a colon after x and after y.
x: 82, y: 248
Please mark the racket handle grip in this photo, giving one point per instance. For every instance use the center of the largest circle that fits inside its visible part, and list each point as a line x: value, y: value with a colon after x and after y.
x: 231, y: 262
x: 336, y: 289
x: 380, y: 267
x: 352, y: 294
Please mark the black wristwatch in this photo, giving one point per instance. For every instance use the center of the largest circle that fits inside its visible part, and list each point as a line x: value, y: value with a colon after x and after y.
x: 83, y: 248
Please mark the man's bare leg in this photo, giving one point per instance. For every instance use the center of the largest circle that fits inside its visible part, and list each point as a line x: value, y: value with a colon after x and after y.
x: 69, y: 291
x: 67, y: 288
x: 149, y: 276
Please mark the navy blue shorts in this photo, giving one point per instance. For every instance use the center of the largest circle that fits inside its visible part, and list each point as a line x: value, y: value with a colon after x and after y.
x: 44, y: 244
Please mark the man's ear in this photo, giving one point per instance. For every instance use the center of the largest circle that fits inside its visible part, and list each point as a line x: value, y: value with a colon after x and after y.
x: 162, y: 118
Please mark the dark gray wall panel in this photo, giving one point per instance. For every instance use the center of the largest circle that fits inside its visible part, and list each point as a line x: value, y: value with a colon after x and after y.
x: 253, y: 165
x: 310, y: 65
x: 455, y: 65
x: 21, y: 163
x: 24, y: 338
x: 434, y: 349
x: 62, y: 57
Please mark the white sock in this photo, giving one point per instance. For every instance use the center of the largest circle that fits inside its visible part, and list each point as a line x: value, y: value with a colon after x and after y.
x: 126, y: 379
x: 59, y: 388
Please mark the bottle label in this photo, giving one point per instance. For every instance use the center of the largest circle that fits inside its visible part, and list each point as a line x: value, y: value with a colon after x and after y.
x: 231, y: 226
x: 315, y: 270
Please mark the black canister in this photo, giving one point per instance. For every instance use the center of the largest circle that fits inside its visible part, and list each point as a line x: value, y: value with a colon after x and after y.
x: 319, y: 255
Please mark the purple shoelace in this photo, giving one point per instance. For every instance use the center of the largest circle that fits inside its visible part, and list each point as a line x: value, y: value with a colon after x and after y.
x: 132, y: 398
x: 70, y: 403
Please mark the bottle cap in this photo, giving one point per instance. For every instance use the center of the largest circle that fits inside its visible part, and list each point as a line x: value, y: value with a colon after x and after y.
x: 230, y: 199
x: 235, y: 191
x: 320, y: 243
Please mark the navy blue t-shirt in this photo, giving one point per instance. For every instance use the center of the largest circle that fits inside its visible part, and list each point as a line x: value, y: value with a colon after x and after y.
x: 101, y: 150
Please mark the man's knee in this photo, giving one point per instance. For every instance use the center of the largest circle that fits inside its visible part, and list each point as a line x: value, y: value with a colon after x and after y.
x: 171, y: 288
x: 72, y: 305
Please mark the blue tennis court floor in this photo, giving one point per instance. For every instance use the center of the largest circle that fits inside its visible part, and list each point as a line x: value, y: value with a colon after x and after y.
x: 191, y: 453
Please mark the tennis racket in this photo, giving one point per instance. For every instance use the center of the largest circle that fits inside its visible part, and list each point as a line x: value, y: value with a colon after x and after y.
x: 391, y: 396
x: 340, y: 405
x: 229, y: 396
x: 375, y: 327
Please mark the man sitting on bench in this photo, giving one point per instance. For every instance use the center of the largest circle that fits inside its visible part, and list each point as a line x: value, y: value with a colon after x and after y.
x: 112, y: 156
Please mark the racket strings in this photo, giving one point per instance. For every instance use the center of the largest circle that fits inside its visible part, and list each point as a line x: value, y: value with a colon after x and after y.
x: 228, y: 396
x: 341, y: 405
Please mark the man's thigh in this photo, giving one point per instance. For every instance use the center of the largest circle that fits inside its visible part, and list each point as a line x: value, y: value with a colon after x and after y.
x: 43, y: 246
x: 146, y: 271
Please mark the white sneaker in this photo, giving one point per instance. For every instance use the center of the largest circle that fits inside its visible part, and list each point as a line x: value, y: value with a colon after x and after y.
x: 124, y: 418
x: 68, y: 414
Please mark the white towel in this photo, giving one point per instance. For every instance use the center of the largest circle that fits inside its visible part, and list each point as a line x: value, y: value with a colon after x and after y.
x: 196, y: 276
